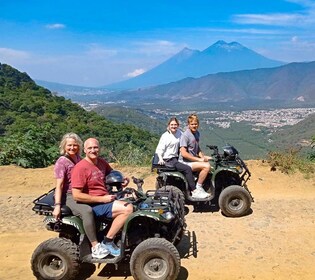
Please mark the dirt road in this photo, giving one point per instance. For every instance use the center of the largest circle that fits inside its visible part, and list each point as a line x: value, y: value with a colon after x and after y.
x: 275, y: 241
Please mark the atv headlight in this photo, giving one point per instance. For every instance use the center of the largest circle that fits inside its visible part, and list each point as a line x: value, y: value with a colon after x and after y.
x: 239, y: 169
x: 168, y: 216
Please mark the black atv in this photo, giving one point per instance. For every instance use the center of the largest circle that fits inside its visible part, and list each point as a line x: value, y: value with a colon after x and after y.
x: 226, y: 182
x: 147, y: 239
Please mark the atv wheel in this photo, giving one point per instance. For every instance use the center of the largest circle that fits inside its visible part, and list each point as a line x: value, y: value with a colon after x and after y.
x: 155, y: 258
x: 56, y: 259
x: 234, y: 201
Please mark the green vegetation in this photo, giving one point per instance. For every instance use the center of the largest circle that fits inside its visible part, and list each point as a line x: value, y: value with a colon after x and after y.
x: 312, y: 153
x: 35, y: 148
x: 140, y: 118
x: 33, y: 120
x: 249, y: 143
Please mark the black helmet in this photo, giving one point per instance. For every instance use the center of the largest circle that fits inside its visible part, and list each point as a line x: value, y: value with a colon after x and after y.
x: 230, y: 152
x: 114, y: 178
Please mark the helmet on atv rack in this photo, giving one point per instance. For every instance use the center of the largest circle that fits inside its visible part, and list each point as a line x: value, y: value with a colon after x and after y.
x: 114, y: 178
x: 229, y: 152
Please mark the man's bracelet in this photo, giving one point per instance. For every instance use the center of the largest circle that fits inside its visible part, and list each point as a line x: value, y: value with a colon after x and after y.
x: 57, y: 204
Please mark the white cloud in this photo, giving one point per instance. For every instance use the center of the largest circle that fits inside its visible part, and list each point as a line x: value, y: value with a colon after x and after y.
x: 99, y: 52
x: 158, y: 47
x: 55, y: 26
x: 241, y: 30
x: 306, y: 3
x: 11, y: 54
x: 305, y: 18
x: 271, y: 19
x: 135, y: 73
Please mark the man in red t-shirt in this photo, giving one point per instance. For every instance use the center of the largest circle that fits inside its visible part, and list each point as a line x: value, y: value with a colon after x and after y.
x: 88, y: 186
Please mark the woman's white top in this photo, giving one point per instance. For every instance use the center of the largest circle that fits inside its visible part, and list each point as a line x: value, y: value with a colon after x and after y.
x: 168, y: 146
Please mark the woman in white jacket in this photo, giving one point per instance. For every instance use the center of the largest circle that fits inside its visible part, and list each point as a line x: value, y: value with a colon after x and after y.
x: 168, y: 152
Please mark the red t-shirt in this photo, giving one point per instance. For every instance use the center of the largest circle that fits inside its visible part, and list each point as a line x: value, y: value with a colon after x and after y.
x: 90, y: 178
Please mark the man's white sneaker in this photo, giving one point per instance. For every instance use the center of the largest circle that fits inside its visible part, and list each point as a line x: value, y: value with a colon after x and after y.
x: 199, y: 194
x: 99, y: 251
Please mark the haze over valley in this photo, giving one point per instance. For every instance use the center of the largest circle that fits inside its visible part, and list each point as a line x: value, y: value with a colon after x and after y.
x: 247, y: 108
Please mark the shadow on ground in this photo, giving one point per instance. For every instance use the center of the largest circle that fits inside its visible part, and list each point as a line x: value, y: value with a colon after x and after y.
x: 186, y: 248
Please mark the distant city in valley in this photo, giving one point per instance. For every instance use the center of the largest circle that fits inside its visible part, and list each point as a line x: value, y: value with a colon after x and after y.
x: 258, y: 118
x: 254, y: 132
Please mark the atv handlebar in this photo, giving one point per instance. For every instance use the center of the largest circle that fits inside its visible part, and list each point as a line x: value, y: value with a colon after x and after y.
x: 138, y: 183
x: 214, y: 148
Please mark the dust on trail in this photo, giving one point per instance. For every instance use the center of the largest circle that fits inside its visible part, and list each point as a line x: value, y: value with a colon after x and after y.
x: 275, y: 241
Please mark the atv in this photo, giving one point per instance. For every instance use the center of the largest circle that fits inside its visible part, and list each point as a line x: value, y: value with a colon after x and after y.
x: 147, y: 240
x: 226, y: 182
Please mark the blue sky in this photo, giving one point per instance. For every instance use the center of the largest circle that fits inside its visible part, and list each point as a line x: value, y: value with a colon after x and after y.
x: 94, y: 43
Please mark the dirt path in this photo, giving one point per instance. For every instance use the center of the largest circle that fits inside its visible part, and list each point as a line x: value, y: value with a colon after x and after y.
x: 276, y: 241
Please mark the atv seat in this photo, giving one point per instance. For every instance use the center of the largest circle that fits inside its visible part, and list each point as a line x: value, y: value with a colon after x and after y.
x: 159, y: 167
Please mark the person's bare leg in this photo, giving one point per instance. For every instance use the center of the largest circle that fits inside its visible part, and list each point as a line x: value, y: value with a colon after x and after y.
x: 204, y: 168
x: 120, y: 212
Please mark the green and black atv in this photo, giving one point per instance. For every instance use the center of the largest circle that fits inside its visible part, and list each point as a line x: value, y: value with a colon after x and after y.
x: 226, y: 183
x: 147, y: 240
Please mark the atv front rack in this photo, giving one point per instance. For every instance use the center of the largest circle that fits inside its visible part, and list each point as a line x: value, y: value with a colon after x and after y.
x: 166, y: 200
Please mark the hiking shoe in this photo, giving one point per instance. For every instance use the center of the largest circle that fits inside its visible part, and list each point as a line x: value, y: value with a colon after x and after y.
x: 199, y: 194
x: 112, y: 248
x: 99, y: 251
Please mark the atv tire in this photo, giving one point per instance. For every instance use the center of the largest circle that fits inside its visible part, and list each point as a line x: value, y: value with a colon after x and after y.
x: 234, y: 201
x: 56, y: 259
x: 155, y: 259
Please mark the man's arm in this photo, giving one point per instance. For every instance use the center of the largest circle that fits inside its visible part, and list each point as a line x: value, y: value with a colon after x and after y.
x: 82, y: 197
x: 186, y: 155
x: 204, y: 157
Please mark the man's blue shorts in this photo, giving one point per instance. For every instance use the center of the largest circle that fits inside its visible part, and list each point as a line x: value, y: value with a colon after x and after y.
x: 103, y: 210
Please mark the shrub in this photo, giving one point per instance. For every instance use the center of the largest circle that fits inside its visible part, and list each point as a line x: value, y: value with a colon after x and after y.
x: 289, y: 161
x: 32, y: 149
x: 312, y: 154
x: 131, y: 156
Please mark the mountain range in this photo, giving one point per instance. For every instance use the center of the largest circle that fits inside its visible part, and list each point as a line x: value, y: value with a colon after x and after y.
x: 290, y: 83
x: 240, y: 76
x: 219, y: 57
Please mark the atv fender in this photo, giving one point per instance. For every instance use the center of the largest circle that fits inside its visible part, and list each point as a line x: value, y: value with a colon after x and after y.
x: 73, y: 221
x: 150, y: 215
x: 172, y: 174
x: 226, y: 172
